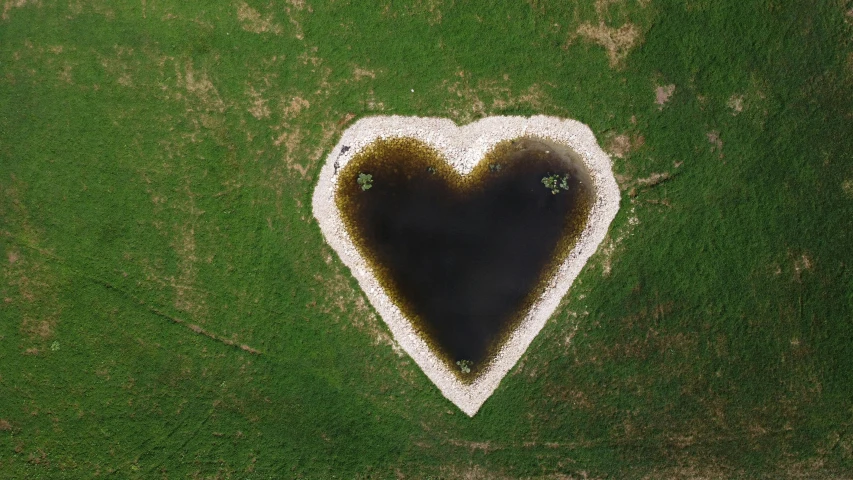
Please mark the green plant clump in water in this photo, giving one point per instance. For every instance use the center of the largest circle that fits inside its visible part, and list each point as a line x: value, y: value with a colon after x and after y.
x: 465, y: 365
x: 365, y: 180
x: 555, y: 183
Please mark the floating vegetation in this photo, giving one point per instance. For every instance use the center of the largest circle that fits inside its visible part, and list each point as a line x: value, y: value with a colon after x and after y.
x: 365, y: 180
x: 555, y: 183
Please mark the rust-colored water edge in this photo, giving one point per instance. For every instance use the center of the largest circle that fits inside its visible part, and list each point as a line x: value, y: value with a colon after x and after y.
x: 465, y: 239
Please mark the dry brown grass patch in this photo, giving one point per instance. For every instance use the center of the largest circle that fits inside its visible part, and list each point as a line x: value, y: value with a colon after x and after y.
x: 66, y: 76
x: 348, y: 117
x: 294, y: 107
x: 469, y: 103
x: 653, y: 179
x: 28, y: 281
x: 691, y: 471
x: 298, y: 6
x: 801, y: 263
x: 663, y: 94
x: 735, y: 103
x: 35, y: 328
x: 471, y: 472
x: 291, y: 139
x: 484, y: 447
x: 5, y: 426
x: 340, y: 300
x: 847, y: 187
x: 252, y: 21
x: 119, y: 66
x: 8, y: 5
x: 618, y: 42
x: 431, y: 9
x: 614, y: 240
x: 258, y: 104
x: 198, y: 85
x: 188, y: 297
x: 372, y: 104
x: 716, y: 142
x: 622, y: 145
x: 359, y: 73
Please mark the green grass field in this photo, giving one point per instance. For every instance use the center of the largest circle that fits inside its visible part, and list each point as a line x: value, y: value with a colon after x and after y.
x: 170, y: 309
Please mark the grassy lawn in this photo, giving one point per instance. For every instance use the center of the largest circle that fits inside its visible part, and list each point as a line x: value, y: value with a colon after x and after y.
x: 170, y: 309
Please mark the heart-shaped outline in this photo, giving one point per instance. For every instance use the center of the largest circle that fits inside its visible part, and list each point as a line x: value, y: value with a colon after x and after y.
x: 464, y: 147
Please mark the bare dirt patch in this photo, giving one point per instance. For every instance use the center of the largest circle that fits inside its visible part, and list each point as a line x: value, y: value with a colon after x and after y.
x: 663, y: 94
x: 5, y: 426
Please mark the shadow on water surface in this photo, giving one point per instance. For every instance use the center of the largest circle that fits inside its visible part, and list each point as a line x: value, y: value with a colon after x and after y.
x: 464, y: 257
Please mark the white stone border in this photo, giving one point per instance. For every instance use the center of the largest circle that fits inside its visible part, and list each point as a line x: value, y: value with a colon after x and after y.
x: 464, y: 147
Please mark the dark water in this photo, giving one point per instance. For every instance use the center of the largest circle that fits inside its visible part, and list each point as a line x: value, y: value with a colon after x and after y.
x: 464, y: 257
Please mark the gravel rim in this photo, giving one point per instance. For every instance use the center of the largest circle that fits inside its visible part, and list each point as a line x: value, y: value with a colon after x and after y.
x: 464, y: 147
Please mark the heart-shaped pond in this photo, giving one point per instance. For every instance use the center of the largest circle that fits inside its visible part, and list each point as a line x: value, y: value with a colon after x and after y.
x: 464, y: 257
x: 465, y: 239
